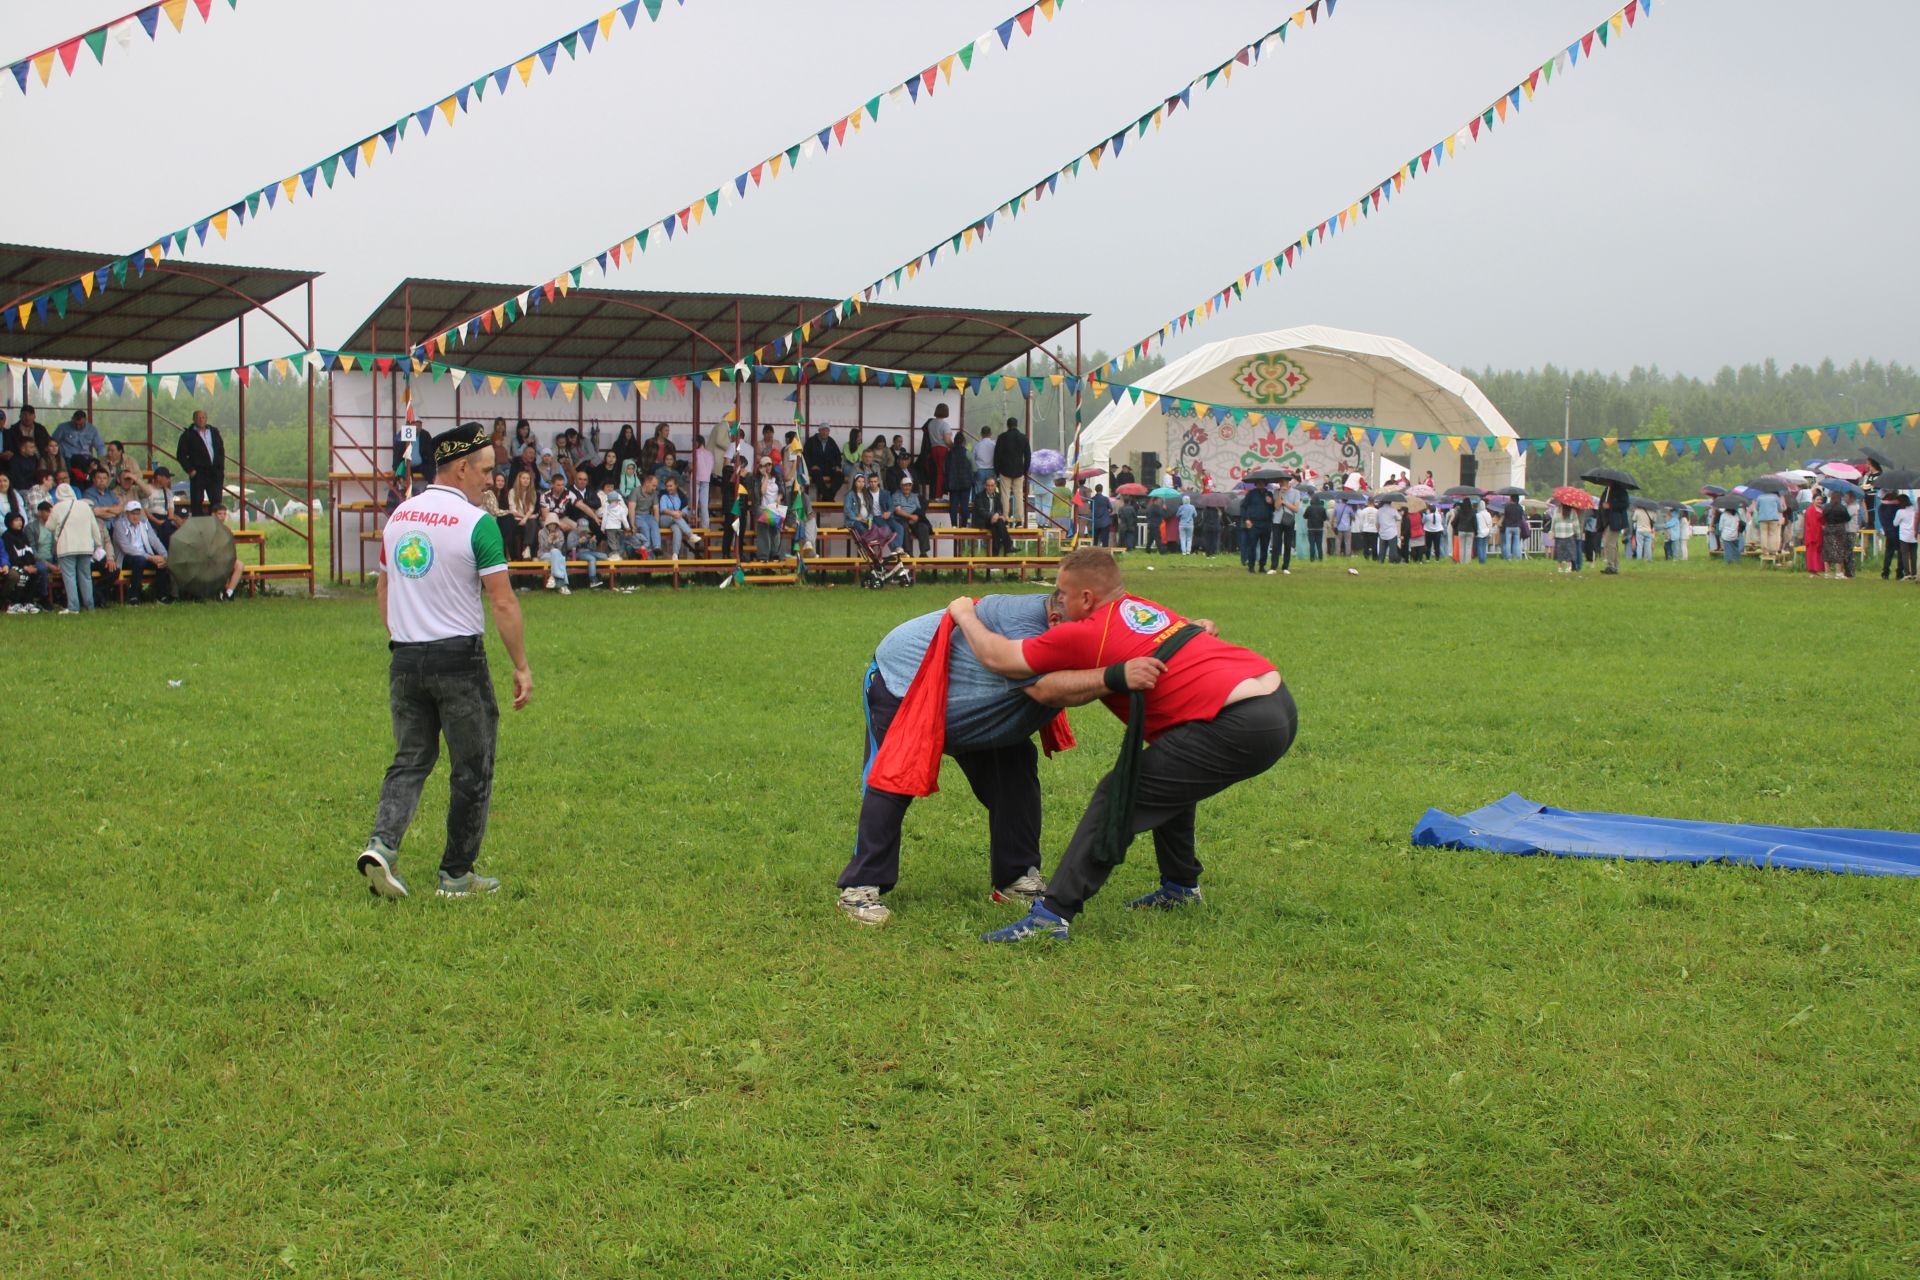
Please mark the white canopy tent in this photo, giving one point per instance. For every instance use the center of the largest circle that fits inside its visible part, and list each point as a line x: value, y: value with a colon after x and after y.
x: 1334, y: 376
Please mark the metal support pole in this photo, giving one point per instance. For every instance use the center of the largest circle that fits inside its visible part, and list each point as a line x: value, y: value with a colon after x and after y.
x: 240, y: 328
x: 1566, y: 439
x: 312, y: 519
x: 148, y: 384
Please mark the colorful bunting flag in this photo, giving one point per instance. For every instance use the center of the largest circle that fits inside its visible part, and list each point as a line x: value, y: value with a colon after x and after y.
x: 95, y: 39
x: 819, y: 141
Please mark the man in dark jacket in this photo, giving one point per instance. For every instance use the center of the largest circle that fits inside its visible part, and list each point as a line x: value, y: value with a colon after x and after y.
x: 823, y: 463
x: 958, y: 482
x: 1613, y: 522
x: 203, y: 456
x: 1256, y: 527
x: 1012, y: 455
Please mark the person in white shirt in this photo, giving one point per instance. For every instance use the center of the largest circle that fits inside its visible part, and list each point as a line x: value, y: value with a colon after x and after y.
x: 440, y: 555
x: 1904, y: 528
x: 1482, y: 532
x: 1367, y: 524
x: 1389, y: 533
x: 983, y: 460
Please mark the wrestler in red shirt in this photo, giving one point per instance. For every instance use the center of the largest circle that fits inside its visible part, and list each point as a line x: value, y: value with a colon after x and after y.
x: 1216, y: 714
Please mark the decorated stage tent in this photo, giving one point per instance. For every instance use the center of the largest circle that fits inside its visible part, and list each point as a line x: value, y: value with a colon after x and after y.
x: 1313, y: 397
x: 601, y: 359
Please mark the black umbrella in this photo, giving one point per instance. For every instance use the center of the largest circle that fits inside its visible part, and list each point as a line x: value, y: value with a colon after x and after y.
x: 1390, y: 497
x: 1512, y: 491
x: 1729, y: 502
x: 1466, y: 491
x: 1768, y: 484
x: 1268, y: 475
x: 1874, y: 455
x: 1898, y: 480
x: 1216, y: 500
x: 200, y: 557
x: 1645, y: 504
x: 1607, y: 475
x: 1711, y: 490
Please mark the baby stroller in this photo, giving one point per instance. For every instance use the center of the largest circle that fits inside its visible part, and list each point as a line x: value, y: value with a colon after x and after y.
x: 886, y: 567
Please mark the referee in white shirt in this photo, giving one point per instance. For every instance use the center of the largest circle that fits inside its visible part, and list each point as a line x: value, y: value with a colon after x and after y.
x: 439, y: 553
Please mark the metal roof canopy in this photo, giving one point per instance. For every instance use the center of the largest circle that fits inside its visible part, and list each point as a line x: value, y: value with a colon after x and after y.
x: 153, y: 313
x: 621, y: 333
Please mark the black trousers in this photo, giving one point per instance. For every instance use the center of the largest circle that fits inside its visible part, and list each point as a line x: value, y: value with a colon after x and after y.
x: 435, y: 689
x: 204, y: 491
x: 1004, y: 779
x: 1283, y: 537
x: 138, y: 567
x: 1889, y: 542
x: 1186, y: 765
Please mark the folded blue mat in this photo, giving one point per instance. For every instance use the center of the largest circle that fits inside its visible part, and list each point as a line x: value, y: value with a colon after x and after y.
x: 1518, y: 825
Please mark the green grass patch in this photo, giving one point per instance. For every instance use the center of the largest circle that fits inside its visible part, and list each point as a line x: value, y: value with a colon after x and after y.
x: 661, y: 1051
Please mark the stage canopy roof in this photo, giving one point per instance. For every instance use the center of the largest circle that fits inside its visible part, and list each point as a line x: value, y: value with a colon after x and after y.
x: 141, y: 319
x: 620, y: 333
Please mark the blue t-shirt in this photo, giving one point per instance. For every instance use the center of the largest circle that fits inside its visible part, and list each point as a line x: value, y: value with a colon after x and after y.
x: 1766, y: 507
x: 983, y: 710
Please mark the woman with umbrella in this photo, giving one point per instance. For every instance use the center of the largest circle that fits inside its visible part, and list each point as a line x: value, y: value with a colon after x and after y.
x: 1565, y: 527
x: 1813, y: 529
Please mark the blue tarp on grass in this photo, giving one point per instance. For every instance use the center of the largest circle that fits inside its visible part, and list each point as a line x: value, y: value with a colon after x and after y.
x: 1518, y: 825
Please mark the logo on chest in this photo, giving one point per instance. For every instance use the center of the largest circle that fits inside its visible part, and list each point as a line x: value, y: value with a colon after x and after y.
x: 1143, y: 619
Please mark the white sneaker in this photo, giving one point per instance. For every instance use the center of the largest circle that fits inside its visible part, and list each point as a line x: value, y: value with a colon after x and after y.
x: 862, y: 903
x: 1271, y: 572
x: 1024, y: 890
x: 565, y: 590
x: 549, y: 582
x: 1288, y: 572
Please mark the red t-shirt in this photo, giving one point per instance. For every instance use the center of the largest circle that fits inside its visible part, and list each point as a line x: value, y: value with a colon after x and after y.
x: 1196, y: 683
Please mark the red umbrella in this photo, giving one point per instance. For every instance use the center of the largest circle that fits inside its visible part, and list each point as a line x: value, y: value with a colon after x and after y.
x: 1131, y: 490
x: 1568, y: 496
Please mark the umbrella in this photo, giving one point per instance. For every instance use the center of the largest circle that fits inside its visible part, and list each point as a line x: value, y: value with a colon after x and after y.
x: 1874, y: 455
x: 1798, y: 473
x: 1416, y: 504
x: 1088, y: 473
x: 1898, y: 480
x: 200, y: 556
x: 1579, y: 499
x: 1420, y: 491
x: 1833, y: 484
x: 1607, y: 475
x: 1729, y: 502
x: 1164, y: 492
x: 1512, y: 491
x: 1131, y: 491
x: 1394, y: 496
x: 1466, y: 491
x: 1645, y: 504
x: 1535, y: 504
x: 1215, y: 500
x: 1711, y: 490
x: 1046, y: 462
x: 1768, y: 484
x: 1269, y: 475
x: 1354, y: 499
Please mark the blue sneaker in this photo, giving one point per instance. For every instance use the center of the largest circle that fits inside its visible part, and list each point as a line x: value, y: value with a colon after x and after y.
x: 1037, y: 923
x: 470, y: 885
x: 1167, y: 896
x: 376, y: 864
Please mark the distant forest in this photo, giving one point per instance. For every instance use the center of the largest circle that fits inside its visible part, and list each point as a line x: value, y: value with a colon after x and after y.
x: 1644, y: 402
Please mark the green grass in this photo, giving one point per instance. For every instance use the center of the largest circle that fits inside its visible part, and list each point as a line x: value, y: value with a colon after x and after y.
x: 660, y: 1051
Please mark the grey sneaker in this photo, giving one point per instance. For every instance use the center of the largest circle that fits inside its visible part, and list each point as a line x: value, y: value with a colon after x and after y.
x: 376, y: 865
x: 470, y: 885
x: 1024, y: 890
x: 862, y: 903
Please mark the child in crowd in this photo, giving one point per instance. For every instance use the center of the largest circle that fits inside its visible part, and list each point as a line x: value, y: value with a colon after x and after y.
x: 553, y: 549
x: 615, y: 519
x: 1567, y: 537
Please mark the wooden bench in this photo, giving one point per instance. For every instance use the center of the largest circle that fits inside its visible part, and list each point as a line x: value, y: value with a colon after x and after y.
x: 612, y: 569
x: 254, y: 574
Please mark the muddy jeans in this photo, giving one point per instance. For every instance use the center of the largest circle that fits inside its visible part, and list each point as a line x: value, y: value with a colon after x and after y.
x: 434, y: 689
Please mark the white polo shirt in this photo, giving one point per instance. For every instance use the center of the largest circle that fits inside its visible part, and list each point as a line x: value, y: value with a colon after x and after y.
x: 435, y: 549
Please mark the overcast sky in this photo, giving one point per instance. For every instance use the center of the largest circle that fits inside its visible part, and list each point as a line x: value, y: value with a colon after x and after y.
x: 1729, y: 182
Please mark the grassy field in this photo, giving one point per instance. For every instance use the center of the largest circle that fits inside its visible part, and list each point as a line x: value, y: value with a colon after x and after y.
x: 661, y: 1051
